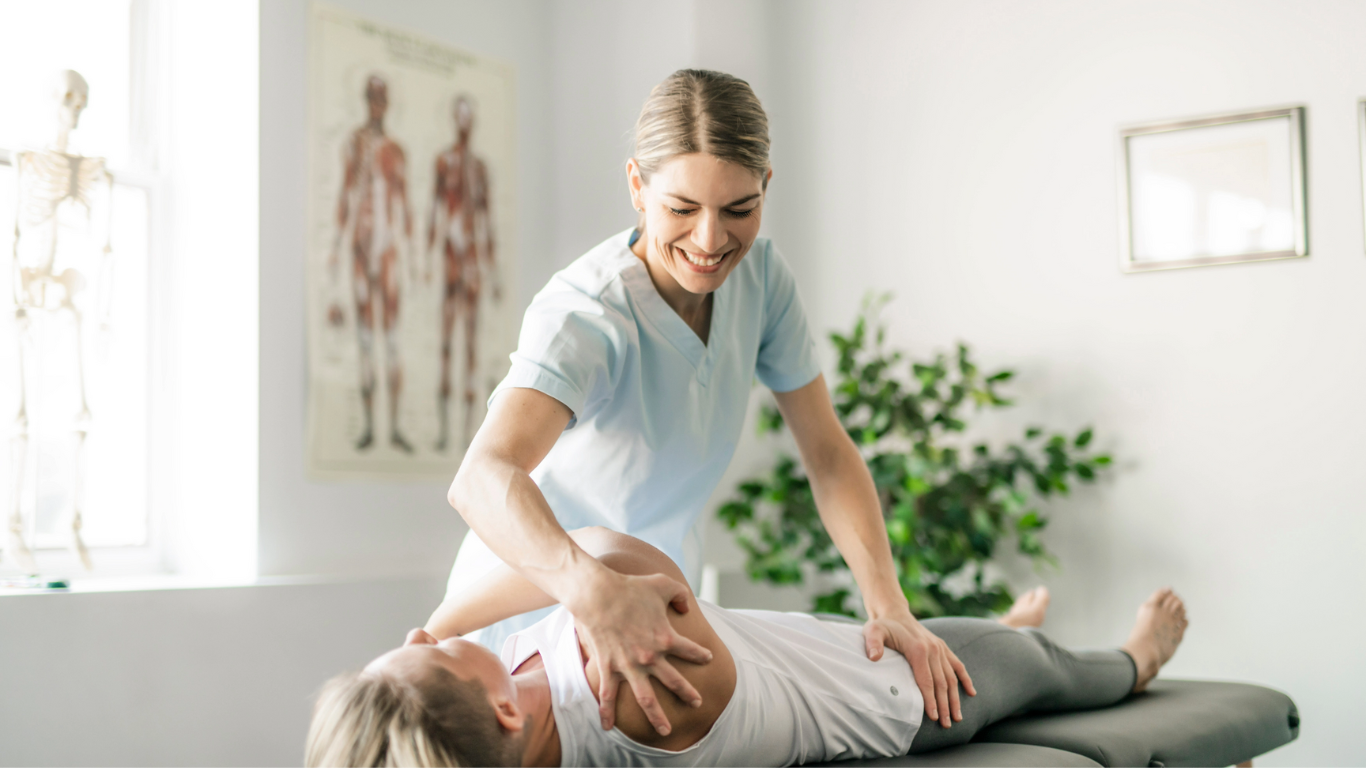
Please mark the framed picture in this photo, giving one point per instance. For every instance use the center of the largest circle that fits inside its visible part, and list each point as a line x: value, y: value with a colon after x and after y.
x: 1213, y: 190
x: 1361, y: 123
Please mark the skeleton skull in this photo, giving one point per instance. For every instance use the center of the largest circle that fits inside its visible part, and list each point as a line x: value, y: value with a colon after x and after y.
x: 71, y: 93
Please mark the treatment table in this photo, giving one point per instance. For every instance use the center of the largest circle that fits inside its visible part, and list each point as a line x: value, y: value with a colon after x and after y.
x: 1174, y: 722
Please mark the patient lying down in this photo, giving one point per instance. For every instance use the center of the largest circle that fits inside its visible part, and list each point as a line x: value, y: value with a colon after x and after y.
x: 782, y: 688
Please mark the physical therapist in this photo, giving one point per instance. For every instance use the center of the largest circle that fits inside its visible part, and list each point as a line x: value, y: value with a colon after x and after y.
x: 626, y: 398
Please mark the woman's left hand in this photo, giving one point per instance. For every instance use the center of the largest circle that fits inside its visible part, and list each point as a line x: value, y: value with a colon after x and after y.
x: 937, y: 670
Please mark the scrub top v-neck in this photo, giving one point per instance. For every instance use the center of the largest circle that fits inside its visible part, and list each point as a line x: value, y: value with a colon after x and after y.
x: 656, y: 411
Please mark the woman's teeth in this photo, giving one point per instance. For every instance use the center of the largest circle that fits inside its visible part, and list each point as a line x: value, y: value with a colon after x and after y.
x: 702, y: 261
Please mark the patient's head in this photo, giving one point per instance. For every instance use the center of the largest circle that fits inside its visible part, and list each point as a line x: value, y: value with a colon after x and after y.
x: 427, y: 703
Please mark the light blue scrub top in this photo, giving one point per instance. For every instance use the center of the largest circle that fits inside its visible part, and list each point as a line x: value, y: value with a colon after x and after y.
x: 657, y: 413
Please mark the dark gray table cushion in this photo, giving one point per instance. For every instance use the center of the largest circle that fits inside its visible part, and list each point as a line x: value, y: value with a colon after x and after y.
x: 977, y: 755
x: 1174, y: 722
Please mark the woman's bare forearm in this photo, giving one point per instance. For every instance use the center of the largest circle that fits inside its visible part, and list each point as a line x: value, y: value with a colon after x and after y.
x: 495, y: 495
x: 848, y: 504
x: 845, y: 495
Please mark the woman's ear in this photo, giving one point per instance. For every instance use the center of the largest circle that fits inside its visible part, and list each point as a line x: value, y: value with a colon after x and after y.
x: 509, y: 715
x: 635, y: 184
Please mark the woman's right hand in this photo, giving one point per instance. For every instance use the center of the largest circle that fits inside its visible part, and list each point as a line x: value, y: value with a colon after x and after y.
x: 624, y: 622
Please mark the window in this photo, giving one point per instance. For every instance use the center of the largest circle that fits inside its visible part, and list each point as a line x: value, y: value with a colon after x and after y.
x: 173, y: 109
x: 110, y: 348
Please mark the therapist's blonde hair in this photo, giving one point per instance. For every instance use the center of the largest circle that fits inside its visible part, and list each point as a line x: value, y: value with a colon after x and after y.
x: 698, y: 110
x: 436, y: 719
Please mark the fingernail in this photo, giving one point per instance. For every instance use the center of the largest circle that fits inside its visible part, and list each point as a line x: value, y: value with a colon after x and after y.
x: 696, y: 703
x: 664, y: 731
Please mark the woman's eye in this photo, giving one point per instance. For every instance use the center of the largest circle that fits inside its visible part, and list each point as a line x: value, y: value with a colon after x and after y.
x: 740, y: 214
x: 681, y: 211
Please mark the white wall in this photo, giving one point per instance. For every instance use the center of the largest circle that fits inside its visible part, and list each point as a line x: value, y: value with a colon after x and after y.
x: 963, y: 156
x: 186, y: 677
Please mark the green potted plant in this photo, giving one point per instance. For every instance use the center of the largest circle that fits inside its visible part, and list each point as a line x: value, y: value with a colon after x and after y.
x: 947, y: 505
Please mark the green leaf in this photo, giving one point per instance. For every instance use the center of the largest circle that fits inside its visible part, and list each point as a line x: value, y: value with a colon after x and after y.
x: 735, y: 512
x: 898, y: 532
x: 1001, y: 376
x: 770, y: 420
x: 832, y: 602
x: 1083, y: 439
x: 1101, y: 461
x: 1033, y: 432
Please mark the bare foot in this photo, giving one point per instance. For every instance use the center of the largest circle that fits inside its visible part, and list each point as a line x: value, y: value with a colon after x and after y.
x: 1160, y: 626
x: 1028, y: 610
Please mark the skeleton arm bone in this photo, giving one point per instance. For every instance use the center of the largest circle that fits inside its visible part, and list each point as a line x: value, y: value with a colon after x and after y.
x: 104, y: 279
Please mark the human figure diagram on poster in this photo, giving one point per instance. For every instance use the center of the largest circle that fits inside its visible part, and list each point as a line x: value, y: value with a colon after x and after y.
x: 373, y: 204
x: 462, y: 228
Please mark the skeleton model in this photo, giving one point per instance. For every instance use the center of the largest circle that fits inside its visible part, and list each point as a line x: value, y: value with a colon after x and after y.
x: 54, y: 187
x: 462, y: 225
x: 374, y: 199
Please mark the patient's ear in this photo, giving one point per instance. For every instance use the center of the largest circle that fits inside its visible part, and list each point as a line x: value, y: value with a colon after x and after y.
x: 509, y: 715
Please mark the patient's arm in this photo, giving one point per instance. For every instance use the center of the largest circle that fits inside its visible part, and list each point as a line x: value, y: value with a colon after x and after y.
x: 505, y: 593
x: 501, y: 594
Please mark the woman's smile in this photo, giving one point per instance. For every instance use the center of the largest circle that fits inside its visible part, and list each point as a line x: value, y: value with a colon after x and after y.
x: 702, y: 262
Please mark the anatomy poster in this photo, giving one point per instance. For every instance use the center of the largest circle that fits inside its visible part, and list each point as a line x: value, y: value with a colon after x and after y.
x: 411, y: 247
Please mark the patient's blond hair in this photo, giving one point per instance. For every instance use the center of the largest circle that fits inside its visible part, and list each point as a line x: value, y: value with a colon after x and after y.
x: 379, y: 720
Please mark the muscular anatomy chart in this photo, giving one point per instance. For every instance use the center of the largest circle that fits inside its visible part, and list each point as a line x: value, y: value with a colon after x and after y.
x: 462, y: 227
x: 409, y: 329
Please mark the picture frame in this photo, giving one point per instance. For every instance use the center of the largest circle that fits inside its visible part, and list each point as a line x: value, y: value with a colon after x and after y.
x: 1361, y: 131
x: 1219, y: 189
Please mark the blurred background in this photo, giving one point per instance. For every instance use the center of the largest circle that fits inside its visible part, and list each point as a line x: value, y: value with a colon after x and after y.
x: 961, y: 155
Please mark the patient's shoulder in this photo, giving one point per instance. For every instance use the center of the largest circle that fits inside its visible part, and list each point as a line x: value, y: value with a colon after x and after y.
x: 714, y: 681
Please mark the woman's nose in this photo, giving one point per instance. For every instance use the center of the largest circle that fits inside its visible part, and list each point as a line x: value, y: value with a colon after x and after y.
x: 419, y: 637
x: 709, y: 235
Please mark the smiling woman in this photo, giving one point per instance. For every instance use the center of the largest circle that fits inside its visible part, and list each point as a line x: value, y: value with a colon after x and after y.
x: 626, y: 397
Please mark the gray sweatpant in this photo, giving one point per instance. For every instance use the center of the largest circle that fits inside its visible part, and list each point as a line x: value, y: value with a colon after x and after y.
x: 1019, y: 671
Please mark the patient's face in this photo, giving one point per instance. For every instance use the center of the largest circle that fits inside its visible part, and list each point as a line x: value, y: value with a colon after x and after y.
x: 466, y: 660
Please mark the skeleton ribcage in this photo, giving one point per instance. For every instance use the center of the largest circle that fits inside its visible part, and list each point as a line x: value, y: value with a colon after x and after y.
x: 48, y: 179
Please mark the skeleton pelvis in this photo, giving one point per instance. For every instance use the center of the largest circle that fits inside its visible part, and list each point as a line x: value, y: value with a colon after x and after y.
x: 43, y: 290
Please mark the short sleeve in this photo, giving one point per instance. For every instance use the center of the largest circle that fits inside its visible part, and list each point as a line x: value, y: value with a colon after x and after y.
x: 571, y: 348
x: 787, y: 355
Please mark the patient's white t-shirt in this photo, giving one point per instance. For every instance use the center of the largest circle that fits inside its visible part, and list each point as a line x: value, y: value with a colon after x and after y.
x: 805, y: 691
